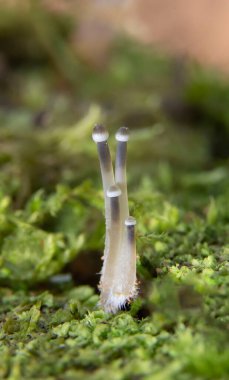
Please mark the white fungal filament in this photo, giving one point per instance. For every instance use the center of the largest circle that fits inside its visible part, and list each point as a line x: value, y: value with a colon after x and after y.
x: 118, y: 274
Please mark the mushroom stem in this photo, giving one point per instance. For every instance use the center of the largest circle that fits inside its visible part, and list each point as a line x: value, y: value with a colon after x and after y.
x: 118, y: 281
x: 127, y: 254
x: 129, y: 257
x: 109, y: 274
x: 100, y: 137
x: 122, y: 136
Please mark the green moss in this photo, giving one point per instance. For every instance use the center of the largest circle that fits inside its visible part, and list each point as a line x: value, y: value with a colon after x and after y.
x: 183, y: 271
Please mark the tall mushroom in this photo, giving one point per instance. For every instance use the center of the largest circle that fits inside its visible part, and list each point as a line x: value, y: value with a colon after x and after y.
x: 118, y: 274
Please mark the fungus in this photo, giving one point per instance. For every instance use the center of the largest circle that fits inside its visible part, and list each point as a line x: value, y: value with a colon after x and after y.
x: 118, y: 275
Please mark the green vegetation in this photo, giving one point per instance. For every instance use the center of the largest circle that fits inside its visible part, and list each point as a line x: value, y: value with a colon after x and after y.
x: 51, y: 214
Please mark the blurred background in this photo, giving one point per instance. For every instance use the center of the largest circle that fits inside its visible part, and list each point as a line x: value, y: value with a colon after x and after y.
x: 156, y: 66
x: 151, y: 65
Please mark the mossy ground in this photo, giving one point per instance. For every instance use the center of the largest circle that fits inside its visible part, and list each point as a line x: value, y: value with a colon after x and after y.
x: 52, y: 227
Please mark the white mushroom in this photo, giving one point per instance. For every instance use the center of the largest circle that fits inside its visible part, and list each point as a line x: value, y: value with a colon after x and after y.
x: 118, y: 274
x: 100, y: 137
x: 122, y: 136
x: 109, y: 275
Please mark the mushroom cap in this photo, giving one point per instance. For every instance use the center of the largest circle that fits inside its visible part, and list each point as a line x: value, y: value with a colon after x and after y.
x: 122, y: 134
x: 99, y: 133
x: 113, y: 191
x: 130, y: 221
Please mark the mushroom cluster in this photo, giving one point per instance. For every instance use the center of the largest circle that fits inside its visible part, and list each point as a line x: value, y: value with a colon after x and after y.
x: 118, y: 275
